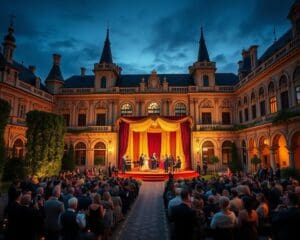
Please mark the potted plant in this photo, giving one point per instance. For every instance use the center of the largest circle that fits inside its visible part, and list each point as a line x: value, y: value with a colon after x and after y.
x: 214, y: 160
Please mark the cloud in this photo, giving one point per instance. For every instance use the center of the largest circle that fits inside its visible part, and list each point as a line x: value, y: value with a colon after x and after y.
x: 64, y: 44
x: 220, y: 58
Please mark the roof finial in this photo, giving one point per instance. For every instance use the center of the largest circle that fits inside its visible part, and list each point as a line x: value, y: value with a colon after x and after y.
x: 202, y: 53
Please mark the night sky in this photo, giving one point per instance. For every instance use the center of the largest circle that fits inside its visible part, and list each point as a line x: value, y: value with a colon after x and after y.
x: 145, y: 35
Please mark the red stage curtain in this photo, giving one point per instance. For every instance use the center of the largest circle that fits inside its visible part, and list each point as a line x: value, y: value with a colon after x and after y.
x: 123, y: 140
x: 173, y: 144
x: 154, y: 144
x: 186, y: 142
x: 136, y: 146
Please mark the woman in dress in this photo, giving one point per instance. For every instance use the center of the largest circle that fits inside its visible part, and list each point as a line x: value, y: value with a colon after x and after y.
x: 95, y: 217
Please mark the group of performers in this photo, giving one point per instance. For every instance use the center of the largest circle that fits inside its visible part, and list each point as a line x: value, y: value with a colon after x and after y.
x: 169, y: 163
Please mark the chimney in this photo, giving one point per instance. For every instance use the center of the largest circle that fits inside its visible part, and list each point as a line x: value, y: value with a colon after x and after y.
x: 56, y: 59
x: 253, y: 56
x: 83, y: 70
x: 32, y: 68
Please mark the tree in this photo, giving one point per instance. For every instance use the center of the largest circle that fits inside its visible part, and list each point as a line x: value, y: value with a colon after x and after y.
x: 235, y: 163
x: 45, y: 143
x: 255, y: 161
x: 4, y: 117
x: 68, y: 163
x: 214, y: 160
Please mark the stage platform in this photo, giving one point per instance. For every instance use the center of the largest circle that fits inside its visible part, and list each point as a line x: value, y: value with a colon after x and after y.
x: 157, y: 175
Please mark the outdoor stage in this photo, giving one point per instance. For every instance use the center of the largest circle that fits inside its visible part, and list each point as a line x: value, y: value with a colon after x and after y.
x: 157, y: 175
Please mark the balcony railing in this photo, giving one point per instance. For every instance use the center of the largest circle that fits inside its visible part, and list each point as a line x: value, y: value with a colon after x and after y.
x: 213, y: 127
x: 90, y: 129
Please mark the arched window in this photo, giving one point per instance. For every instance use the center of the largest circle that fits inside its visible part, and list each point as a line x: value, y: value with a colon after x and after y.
x: 226, y: 152
x: 100, y: 154
x: 252, y: 97
x: 296, y: 79
x: 18, y: 149
x: 153, y: 108
x: 80, y: 154
x: 245, y: 100
x: 244, y: 153
x: 284, y: 96
x: 271, y: 88
x: 126, y: 109
x: 207, y: 151
x: 261, y: 92
x: 103, y: 82
x: 180, y: 109
x: 205, y: 81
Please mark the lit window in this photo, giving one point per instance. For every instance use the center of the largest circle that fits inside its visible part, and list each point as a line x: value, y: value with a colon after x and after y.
x: 273, y: 104
x: 153, y: 108
x: 180, y: 109
x: 126, y: 110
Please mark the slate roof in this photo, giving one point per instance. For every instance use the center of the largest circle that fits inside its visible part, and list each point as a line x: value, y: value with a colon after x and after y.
x: 55, y: 73
x: 133, y: 80
x: 283, y: 40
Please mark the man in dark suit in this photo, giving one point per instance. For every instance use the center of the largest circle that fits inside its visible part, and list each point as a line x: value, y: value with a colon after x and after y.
x: 184, y: 218
x: 286, y: 221
x: 13, y: 210
x: 53, y: 209
x: 141, y: 161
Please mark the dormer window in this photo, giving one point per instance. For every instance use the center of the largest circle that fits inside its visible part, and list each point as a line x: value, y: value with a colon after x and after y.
x: 205, y: 81
x: 103, y: 82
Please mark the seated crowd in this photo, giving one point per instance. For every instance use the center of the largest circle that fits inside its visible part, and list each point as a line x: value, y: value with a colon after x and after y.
x: 71, y: 206
x: 233, y: 207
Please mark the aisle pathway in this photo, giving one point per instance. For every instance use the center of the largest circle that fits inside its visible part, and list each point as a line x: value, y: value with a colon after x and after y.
x: 146, y: 220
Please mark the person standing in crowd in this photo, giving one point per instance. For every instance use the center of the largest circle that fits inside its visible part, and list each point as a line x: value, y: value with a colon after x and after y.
x: 198, y: 168
x: 72, y: 222
x: 124, y: 164
x: 204, y: 168
x: 184, y: 218
x: 95, y: 217
x: 13, y: 212
x: 166, y: 164
x: 109, y: 169
x: 53, y: 209
x: 277, y: 172
x: 141, y: 161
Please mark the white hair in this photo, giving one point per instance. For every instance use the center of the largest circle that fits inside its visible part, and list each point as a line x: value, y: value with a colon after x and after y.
x: 73, y: 202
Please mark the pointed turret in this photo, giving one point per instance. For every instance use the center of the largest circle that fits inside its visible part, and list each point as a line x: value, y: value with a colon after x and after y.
x: 106, y: 72
x: 106, y: 56
x: 55, y: 80
x: 203, y: 70
x: 203, y: 53
x: 9, y: 43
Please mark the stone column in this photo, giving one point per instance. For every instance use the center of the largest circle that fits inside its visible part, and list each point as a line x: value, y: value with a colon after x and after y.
x: 196, y: 111
x: 292, y: 94
x: 110, y: 113
x: 249, y: 164
x: 143, y: 108
x: 73, y: 116
x: 291, y: 158
x: 272, y: 158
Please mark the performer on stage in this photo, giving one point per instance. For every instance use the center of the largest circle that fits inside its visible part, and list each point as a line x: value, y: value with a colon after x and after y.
x: 166, y: 164
x: 124, y: 164
x: 178, y: 164
x: 153, y: 161
x: 141, y: 161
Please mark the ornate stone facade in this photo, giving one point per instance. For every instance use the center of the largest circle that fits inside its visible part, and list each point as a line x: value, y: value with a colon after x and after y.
x: 225, y: 107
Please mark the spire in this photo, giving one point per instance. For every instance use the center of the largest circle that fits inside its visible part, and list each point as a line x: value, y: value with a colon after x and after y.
x: 55, y: 72
x: 202, y: 54
x: 106, y: 56
x: 9, y: 43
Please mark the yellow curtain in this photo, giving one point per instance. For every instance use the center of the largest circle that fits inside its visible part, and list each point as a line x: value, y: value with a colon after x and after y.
x: 163, y: 125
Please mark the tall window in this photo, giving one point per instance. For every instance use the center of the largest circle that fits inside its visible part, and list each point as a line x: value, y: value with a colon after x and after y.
x: 246, y: 111
x: 273, y: 104
x: 206, y: 118
x: 207, y: 151
x: 103, y: 82
x: 126, y: 109
x: 298, y: 94
x: 241, y: 116
x: 226, y: 152
x: 284, y: 100
x: 205, y: 81
x: 81, y: 120
x: 226, y: 118
x: 18, y: 149
x: 67, y: 119
x: 180, y: 109
x: 253, y: 109
x: 262, y: 105
x: 153, y: 108
x: 100, y: 119
x: 21, y: 111
x: 80, y: 154
x: 100, y: 154
x: 261, y: 92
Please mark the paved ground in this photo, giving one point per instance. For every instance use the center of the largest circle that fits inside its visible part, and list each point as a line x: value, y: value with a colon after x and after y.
x: 146, y: 220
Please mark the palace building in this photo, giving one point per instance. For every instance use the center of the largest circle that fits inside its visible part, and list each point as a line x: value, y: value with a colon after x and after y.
x: 194, y: 115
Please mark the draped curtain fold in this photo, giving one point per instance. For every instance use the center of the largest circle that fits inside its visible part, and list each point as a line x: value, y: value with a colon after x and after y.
x: 123, y: 140
x: 154, y: 144
x: 186, y: 143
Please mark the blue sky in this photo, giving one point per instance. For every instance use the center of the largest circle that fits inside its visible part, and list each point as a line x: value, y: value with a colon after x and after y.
x: 145, y: 35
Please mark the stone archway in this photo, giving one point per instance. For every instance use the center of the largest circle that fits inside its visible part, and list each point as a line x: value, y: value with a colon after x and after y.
x: 80, y: 154
x: 264, y: 151
x: 279, y: 151
x: 295, y: 147
x: 18, y: 148
x: 100, y: 153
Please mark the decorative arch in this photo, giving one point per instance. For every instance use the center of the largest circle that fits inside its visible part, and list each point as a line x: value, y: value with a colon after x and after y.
x: 279, y: 149
x: 294, y: 141
x: 261, y: 92
x: 19, y: 148
x: 82, y: 105
x: 271, y: 88
x: 208, y: 150
x: 101, y: 105
x: 153, y: 108
x: 283, y: 82
x: 253, y: 97
x: 264, y: 150
x: 226, y: 152
x: 100, y: 153
x: 206, y: 104
x: 245, y: 100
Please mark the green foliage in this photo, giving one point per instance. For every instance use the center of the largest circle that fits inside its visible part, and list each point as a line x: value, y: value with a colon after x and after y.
x: 45, y: 143
x: 290, y: 172
x: 13, y: 168
x: 255, y: 160
x: 214, y: 159
x: 235, y: 164
x: 4, y: 117
x: 99, y: 161
x: 68, y: 162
